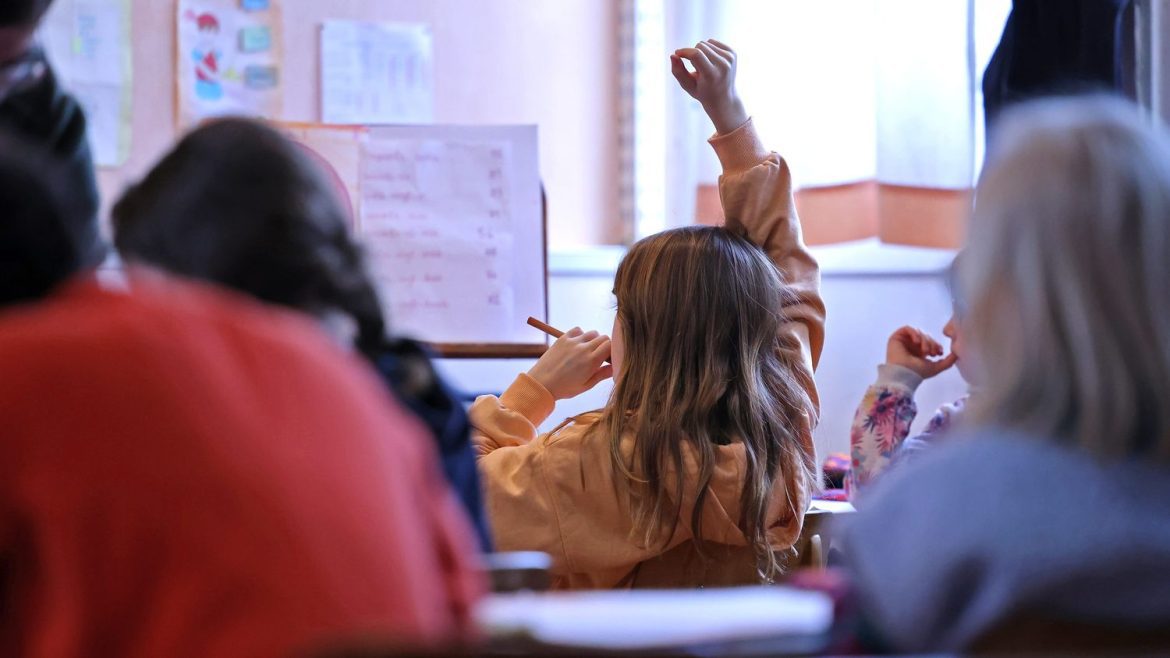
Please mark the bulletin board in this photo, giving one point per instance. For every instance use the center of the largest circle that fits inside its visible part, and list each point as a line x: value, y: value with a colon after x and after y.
x: 471, y: 88
x: 482, y: 74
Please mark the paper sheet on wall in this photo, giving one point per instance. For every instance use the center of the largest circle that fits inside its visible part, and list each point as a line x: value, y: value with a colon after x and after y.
x: 376, y: 73
x: 451, y: 218
x: 89, y: 45
x: 229, y: 59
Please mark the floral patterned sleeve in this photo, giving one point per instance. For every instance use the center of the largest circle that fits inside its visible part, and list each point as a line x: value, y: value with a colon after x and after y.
x: 881, y: 424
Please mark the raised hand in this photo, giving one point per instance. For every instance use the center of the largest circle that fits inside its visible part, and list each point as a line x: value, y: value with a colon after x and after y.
x: 712, y: 82
x: 915, y: 349
x: 574, y: 364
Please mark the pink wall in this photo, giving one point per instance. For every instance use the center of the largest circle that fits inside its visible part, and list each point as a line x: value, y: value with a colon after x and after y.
x: 496, y: 61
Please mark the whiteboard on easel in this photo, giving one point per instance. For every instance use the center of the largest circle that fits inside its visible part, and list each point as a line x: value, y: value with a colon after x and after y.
x: 453, y: 226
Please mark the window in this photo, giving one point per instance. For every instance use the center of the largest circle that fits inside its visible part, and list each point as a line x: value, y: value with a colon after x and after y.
x: 875, y: 103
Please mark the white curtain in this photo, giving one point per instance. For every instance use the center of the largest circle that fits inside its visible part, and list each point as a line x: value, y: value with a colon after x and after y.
x: 850, y: 91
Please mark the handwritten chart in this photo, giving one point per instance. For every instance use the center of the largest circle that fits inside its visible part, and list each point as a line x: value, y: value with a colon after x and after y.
x: 452, y: 222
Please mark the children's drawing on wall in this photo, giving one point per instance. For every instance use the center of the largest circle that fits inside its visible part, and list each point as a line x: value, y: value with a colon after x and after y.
x: 229, y: 55
x: 207, y: 56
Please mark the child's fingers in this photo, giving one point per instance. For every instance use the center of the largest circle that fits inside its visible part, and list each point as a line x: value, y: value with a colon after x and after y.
x: 717, y: 58
x: 950, y: 360
x: 574, y: 332
x: 601, y: 348
x: 604, y: 372
x: 933, y: 347
x: 684, y: 76
x: 918, y: 340
x: 722, y: 46
x: 943, y: 364
x: 698, y: 59
x: 903, y: 335
x: 926, y: 344
x: 589, y: 335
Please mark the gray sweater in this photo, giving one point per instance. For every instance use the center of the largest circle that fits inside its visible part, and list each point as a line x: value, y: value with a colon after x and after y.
x: 1000, y: 524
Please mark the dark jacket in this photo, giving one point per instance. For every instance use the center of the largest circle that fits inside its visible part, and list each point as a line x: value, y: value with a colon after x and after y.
x: 46, y: 116
x: 406, y: 367
x: 1060, y: 47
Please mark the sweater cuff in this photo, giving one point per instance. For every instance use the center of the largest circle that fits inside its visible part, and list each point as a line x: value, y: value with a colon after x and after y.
x: 740, y: 149
x: 528, y: 397
x: 889, y: 373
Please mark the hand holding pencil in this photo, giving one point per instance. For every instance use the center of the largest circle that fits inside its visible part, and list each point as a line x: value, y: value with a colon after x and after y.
x: 575, y: 363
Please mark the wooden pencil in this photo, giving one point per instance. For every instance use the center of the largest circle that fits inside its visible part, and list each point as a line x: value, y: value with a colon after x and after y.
x: 548, y: 329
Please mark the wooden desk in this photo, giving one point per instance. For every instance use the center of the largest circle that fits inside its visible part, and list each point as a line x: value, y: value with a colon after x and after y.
x: 816, y: 538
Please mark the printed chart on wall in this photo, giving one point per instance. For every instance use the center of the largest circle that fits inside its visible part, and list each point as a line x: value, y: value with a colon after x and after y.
x: 452, y: 221
x: 228, y: 60
x: 375, y: 73
x: 88, y: 43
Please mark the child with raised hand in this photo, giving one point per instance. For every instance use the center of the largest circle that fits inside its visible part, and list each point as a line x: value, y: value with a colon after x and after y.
x: 880, y: 435
x: 699, y: 469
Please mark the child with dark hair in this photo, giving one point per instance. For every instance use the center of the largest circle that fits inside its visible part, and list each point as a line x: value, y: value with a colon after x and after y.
x: 34, y: 107
x: 37, y: 250
x: 238, y: 204
x: 186, y: 471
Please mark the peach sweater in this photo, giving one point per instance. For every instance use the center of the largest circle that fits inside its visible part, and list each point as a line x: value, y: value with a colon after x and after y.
x: 555, y: 492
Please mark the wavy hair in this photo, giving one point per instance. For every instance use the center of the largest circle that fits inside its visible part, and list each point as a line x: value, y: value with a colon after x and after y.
x: 699, y: 309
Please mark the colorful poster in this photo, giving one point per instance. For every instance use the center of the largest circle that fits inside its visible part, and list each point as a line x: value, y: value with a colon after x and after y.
x: 88, y: 44
x: 374, y: 73
x: 229, y: 55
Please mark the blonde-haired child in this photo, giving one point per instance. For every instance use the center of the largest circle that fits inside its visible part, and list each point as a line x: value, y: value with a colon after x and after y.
x: 699, y: 469
x: 1047, y: 525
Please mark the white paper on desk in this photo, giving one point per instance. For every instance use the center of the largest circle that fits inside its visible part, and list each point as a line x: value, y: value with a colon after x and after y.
x: 832, y: 506
x: 451, y: 220
x: 88, y: 44
x: 376, y: 73
x: 654, y: 619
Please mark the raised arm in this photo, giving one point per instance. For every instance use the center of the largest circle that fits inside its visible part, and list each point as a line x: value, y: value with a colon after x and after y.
x: 756, y: 190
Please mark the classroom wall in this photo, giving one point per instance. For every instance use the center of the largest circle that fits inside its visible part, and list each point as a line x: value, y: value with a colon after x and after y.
x: 862, y: 311
x: 502, y: 61
x: 550, y: 63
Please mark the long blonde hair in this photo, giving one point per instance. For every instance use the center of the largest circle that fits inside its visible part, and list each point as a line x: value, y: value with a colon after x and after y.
x: 1067, y: 275
x: 699, y: 309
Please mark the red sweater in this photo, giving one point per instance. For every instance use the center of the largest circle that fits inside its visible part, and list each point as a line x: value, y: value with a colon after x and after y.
x: 184, y: 473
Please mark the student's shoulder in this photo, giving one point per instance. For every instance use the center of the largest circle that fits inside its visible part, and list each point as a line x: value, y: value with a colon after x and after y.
x: 86, y: 320
x: 982, y: 472
x: 576, y: 431
x: 47, y: 112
